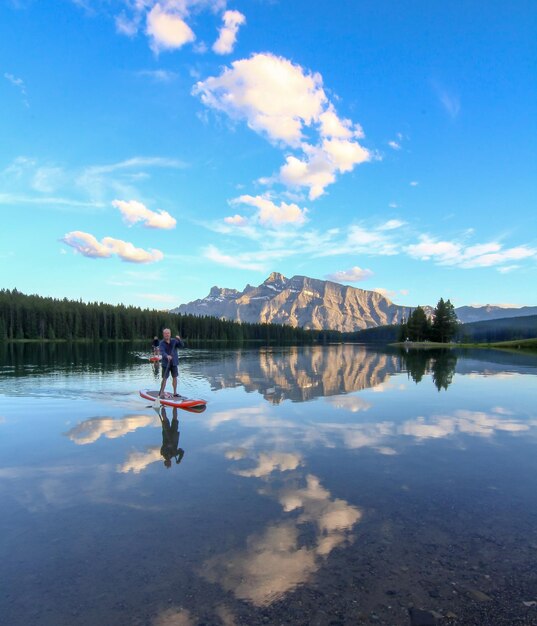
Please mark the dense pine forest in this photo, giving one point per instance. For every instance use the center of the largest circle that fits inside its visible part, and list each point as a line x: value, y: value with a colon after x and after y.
x: 38, y: 318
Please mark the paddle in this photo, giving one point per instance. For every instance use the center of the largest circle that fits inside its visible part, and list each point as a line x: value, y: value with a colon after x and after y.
x: 163, y: 383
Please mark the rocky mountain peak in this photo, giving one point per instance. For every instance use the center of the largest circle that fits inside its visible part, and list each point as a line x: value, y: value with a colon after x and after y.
x: 218, y: 293
x: 275, y: 279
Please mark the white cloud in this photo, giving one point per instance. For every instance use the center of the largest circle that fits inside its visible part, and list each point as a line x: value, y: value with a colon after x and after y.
x: 137, y: 461
x: 268, y: 462
x: 445, y: 251
x: 92, y: 429
x: 391, y: 225
x: 167, y: 23
x: 289, y: 105
x: 507, y: 268
x: 353, y: 275
x: 228, y: 32
x: 126, y: 25
x: 388, y: 238
x: 449, y: 101
x: 275, y: 96
x: 414, y: 183
x: 498, y: 257
x: 271, y: 214
x: 47, y: 179
x: 134, y: 211
x: 238, y: 261
x: 360, y: 239
x: 352, y: 403
x: 320, y: 164
x: 160, y: 76
x: 87, y: 245
x: 275, y: 560
x: 136, y: 162
x: 19, y: 84
x: 453, y: 253
x: 166, y: 28
x: 394, y: 145
x: 236, y: 220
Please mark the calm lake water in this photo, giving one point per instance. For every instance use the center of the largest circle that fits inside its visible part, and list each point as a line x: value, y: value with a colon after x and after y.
x: 330, y: 485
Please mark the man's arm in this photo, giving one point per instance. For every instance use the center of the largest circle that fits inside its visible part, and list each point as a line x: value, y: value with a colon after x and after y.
x: 179, y: 342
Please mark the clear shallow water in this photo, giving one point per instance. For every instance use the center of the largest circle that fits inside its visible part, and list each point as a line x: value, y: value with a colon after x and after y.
x: 333, y: 485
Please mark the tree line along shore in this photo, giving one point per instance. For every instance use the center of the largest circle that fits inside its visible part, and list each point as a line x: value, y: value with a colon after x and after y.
x: 36, y: 318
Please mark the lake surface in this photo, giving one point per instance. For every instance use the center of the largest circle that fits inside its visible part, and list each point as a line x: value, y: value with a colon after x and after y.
x: 327, y: 485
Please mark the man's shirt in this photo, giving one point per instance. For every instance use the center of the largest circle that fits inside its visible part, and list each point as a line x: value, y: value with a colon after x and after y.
x: 167, y: 349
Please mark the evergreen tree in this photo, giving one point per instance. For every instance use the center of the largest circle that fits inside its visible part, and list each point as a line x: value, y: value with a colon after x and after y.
x: 445, y: 321
x: 419, y: 327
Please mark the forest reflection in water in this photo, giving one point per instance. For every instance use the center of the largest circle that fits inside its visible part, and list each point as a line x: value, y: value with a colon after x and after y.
x: 322, y: 484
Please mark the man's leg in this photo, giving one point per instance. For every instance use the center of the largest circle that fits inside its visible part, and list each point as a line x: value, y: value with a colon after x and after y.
x: 164, y: 379
x: 174, y: 383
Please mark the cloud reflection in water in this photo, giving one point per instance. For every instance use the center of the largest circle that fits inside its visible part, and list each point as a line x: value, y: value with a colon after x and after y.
x: 276, y: 559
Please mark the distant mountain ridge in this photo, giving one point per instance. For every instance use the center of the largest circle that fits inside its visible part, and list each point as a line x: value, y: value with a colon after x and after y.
x: 467, y: 314
x: 319, y: 305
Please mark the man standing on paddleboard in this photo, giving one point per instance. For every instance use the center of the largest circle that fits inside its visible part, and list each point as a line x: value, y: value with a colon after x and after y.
x: 169, y: 359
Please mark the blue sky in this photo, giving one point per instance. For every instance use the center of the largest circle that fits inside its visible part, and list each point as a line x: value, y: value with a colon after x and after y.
x: 150, y: 150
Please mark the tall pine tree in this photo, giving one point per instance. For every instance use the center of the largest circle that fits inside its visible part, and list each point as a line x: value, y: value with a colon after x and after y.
x: 444, y: 322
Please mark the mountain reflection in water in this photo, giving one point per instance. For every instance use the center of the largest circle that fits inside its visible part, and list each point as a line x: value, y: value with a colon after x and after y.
x: 301, y: 374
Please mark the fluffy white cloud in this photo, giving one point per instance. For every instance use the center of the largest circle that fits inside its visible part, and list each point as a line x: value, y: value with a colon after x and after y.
x: 288, y: 104
x: 166, y: 28
x: 87, y: 245
x: 268, y: 462
x: 93, y: 428
x: 275, y: 96
x: 444, y: 251
x: 134, y: 211
x: 335, y: 127
x: 271, y: 214
x: 353, y: 275
x: 275, y: 561
x: 137, y: 461
x: 498, y: 257
x: 320, y: 164
x: 227, y: 34
x: 394, y: 145
x: 236, y: 220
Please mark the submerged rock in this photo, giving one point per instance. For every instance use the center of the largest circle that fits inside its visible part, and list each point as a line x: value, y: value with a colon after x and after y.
x: 418, y: 617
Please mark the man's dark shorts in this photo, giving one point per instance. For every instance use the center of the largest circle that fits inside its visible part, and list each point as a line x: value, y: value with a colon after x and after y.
x: 173, y: 371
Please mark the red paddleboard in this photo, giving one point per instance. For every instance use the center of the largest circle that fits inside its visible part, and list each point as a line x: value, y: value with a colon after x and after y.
x: 154, y: 358
x: 170, y: 400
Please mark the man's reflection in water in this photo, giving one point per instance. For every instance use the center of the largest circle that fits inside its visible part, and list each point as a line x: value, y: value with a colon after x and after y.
x: 170, y: 438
